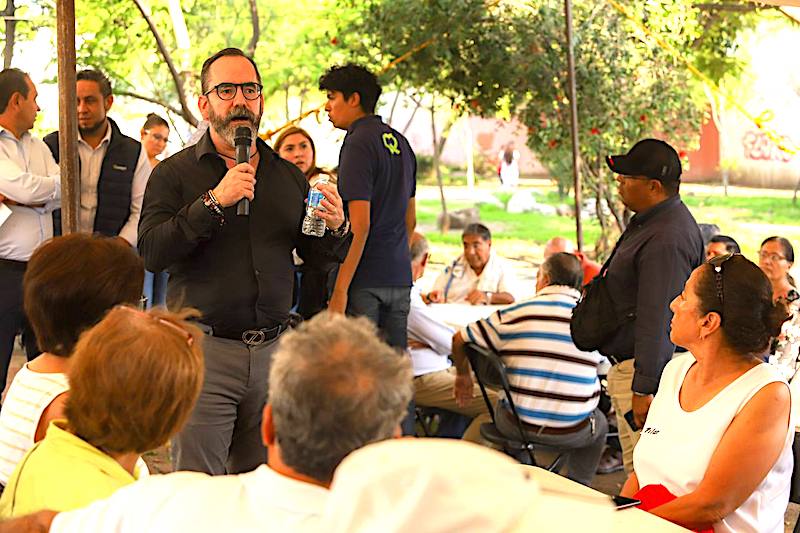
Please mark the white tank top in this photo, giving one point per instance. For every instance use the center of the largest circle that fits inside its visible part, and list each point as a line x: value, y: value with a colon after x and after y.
x: 676, y: 446
x: 29, y: 395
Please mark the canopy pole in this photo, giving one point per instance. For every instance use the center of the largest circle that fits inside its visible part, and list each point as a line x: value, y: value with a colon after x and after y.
x: 573, y: 115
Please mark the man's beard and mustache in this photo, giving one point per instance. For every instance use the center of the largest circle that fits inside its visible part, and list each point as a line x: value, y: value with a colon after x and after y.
x: 226, y: 130
x: 94, y: 128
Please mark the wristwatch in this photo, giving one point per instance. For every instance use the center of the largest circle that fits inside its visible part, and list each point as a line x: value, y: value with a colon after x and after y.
x: 488, y: 295
x: 342, y: 230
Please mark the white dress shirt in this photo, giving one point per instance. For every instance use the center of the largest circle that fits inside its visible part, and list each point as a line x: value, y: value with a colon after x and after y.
x: 426, y: 327
x: 28, y: 175
x: 261, y: 500
x: 91, y: 164
x: 458, y: 279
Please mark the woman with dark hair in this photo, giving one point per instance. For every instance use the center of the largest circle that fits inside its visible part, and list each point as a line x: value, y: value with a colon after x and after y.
x: 69, y: 285
x: 776, y: 257
x: 134, y: 379
x: 718, y: 439
x: 155, y: 134
x: 312, y: 285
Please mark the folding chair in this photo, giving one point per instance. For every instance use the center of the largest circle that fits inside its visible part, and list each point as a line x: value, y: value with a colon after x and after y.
x: 490, y: 371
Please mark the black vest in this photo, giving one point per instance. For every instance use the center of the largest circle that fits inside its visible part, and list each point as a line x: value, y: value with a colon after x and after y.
x: 114, y: 184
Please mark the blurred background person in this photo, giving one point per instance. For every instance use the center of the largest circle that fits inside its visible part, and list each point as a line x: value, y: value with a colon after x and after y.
x: 509, y: 166
x: 776, y: 257
x: 313, y: 285
x: 69, y: 285
x: 721, y: 245
x: 134, y: 380
x: 718, y: 435
x: 155, y: 135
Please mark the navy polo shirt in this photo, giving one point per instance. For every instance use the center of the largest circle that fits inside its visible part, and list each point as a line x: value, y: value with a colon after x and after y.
x: 376, y: 164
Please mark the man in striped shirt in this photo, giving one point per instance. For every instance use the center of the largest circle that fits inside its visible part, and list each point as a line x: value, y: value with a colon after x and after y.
x: 554, y: 385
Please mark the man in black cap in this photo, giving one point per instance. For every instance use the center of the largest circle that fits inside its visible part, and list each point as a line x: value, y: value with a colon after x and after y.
x: 654, y: 257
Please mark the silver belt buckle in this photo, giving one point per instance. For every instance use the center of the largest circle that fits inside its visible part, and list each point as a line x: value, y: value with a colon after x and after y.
x: 253, y: 337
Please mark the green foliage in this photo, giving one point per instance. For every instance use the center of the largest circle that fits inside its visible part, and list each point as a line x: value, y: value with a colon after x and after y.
x: 504, y: 57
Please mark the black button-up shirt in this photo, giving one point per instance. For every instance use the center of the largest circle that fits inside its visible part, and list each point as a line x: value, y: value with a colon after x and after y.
x: 655, y: 256
x: 239, y: 275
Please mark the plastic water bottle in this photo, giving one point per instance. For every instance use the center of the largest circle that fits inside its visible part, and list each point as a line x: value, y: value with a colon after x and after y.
x: 312, y: 224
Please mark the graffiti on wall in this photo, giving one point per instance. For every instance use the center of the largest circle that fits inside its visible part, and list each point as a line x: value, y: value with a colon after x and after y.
x: 759, y: 147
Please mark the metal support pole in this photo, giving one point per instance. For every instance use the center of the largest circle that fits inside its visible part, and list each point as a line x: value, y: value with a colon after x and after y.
x: 68, y: 116
x: 573, y: 115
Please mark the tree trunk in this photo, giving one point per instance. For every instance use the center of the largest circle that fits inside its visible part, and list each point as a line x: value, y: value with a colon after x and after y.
x: 417, y: 105
x: 394, y: 105
x: 187, y: 115
x: 437, y: 171
x: 251, y: 46
x: 11, y: 28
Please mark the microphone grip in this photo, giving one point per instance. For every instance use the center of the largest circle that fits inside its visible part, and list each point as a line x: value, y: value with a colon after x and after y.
x: 243, y: 156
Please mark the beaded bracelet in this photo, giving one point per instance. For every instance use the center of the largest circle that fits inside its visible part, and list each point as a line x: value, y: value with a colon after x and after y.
x: 214, y: 207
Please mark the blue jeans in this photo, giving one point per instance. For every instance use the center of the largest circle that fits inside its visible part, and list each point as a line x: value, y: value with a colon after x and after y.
x: 386, y: 307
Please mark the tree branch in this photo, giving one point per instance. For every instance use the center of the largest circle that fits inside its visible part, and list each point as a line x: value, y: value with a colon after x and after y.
x: 152, y: 100
x: 187, y: 115
x: 251, y: 47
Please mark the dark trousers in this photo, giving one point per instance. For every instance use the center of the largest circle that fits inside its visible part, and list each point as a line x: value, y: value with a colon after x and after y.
x: 12, y: 316
x: 387, y: 307
x: 223, y: 435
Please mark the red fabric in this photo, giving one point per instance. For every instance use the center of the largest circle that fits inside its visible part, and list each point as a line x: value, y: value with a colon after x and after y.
x: 590, y: 268
x: 652, y: 496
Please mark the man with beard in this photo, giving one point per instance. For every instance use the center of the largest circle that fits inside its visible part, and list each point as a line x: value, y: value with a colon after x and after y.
x: 114, y: 168
x: 237, y: 270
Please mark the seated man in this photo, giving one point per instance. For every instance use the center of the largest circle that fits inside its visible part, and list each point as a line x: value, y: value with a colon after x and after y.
x: 430, y: 341
x: 554, y: 385
x: 560, y: 244
x: 478, y: 276
x: 333, y: 388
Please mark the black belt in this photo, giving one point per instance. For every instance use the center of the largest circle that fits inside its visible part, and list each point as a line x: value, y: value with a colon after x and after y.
x: 253, y: 337
x: 14, y: 265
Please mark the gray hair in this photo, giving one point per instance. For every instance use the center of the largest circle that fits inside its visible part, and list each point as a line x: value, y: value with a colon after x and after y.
x: 334, y: 387
x: 563, y: 269
x: 419, y: 247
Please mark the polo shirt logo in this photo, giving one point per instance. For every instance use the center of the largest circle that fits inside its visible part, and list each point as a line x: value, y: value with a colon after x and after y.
x: 121, y: 168
x: 390, y: 142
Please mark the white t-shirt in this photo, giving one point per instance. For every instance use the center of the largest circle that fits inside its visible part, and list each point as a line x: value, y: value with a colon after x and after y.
x: 676, y: 446
x: 29, y: 395
x: 458, y: 279
x: 261, y: 500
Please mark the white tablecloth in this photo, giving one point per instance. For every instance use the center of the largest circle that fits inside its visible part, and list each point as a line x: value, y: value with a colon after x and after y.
x: 626, y: 520
x: 459, y: 315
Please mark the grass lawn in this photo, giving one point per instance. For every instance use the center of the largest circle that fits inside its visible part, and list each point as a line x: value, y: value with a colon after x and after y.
x: 748, y: 215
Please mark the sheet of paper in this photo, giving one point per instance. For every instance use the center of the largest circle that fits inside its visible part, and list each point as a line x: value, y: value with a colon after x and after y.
x: 5, y: 212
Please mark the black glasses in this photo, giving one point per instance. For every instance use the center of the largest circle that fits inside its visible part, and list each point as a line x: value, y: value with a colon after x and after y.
x: 227, y: 91
x: 716, y: 263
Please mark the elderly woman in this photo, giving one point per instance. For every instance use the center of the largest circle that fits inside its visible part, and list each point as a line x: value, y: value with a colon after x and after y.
x: 313, y: 285
x: 718, y: 434
x: 69, y: 285
x: 134, y: 379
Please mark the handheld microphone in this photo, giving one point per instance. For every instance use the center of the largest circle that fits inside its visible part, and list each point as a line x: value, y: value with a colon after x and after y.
x: 242, y: 141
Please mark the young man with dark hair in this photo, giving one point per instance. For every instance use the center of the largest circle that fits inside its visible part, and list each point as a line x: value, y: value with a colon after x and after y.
x: 30, y: 189
x: 114, y: 169
x: 377, y: 181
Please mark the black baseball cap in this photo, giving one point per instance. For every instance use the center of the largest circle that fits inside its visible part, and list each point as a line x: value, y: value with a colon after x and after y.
x: 649, y: 157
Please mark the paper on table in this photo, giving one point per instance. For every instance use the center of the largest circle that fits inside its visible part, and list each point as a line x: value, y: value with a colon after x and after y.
x: 5, y: 212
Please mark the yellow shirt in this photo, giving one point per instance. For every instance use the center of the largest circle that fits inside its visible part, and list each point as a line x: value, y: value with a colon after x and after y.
x: 62, y: 472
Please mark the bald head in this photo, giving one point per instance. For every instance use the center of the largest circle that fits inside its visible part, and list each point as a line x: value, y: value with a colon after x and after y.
x: 558, y: 245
